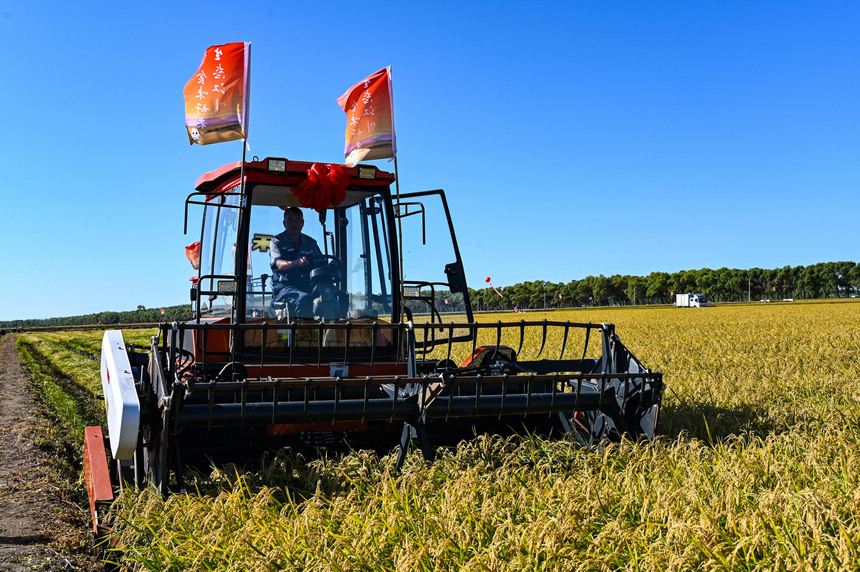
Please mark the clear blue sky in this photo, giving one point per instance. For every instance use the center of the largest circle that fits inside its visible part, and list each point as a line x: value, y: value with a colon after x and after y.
x: 579, y: 137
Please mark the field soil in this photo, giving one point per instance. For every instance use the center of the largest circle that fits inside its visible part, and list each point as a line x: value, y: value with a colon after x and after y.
x: 32, y: 508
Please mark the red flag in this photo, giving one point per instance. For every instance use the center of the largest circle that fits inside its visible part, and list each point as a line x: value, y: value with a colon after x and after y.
x: 370, y: 119
x: 496, y: 290
x: 192, y: 251
x: 216, y: 98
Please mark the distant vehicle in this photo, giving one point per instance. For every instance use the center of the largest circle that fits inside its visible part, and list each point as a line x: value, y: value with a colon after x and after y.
x: 690, y: 301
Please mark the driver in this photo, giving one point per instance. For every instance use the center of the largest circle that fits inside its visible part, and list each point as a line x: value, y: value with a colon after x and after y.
x: 294, y: 255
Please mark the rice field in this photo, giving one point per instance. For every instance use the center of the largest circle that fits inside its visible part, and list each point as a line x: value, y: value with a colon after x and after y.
x: 756, y: 467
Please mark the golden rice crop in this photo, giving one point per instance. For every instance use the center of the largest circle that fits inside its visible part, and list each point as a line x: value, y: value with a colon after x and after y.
x: 756, y: 467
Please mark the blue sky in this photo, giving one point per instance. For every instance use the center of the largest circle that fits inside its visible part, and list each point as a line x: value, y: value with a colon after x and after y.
x: 579, y: 138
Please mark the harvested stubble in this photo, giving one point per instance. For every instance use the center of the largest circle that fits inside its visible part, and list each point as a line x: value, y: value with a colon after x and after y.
x: 757, y: 468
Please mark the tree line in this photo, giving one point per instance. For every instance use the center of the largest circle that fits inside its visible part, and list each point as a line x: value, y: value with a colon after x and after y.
x: 822, y: 280
x: 139, y: 316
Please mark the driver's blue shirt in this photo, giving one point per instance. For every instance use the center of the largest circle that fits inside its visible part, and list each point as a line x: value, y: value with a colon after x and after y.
x: 283, y: 248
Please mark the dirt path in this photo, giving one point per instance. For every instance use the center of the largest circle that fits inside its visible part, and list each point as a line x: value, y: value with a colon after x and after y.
x: 30, y: 505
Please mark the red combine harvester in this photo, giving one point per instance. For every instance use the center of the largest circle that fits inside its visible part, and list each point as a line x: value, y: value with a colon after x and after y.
x: 353, y: 364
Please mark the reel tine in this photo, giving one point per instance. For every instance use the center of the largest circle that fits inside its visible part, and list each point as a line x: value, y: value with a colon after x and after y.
x: 401, y: 340
x: 585, y: 348
x: 522, y: 337
x: 564, y: 339
x: 320, y: 344
x: 529, y: 393
x: 498, y: 339
x: 244, y: 400
x: 211, y: 403
x: 505, y: 379
x: 205, y: 344
x: 375, y: 328
x: 543, y: 342
x: 263, y: 343
x: 338, y: 388
x: 366, y: 396
x: 475, y: 337
x: 346, y: 342
x: 394, y: 401
x: 292, y: 339
x: 276, y: 396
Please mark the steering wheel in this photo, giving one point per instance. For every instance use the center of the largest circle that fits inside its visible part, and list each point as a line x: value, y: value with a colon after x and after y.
x: 320, y: 260
x: 330, y: 300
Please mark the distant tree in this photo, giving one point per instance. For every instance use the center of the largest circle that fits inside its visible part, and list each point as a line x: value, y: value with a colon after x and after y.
x: 706, y: 282
x: 618, y: 289
x: 842, y: 272
x: 854, y: 276
x: 600, y: 290
x: 658, y: 286
x: 810, y: 282
x: 637, y: 289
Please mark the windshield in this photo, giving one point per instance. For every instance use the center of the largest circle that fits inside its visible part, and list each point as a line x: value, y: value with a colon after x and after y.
x: 331, y: 266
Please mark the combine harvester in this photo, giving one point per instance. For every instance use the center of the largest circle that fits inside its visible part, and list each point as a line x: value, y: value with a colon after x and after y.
x: 374, y: 366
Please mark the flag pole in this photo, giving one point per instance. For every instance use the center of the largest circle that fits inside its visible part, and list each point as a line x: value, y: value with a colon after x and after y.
x: 399, y: 222
x: 242, y: 167
x: 396, y: 178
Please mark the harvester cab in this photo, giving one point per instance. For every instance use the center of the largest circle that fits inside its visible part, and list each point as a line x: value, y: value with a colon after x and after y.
x: 379, y: 354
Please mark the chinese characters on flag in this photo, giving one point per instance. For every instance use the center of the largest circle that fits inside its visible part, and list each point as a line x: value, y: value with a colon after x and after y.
x: 216, y: 98
x: 369, y: 119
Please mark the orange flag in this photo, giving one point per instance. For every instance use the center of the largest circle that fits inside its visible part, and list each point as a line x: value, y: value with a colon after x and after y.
x: 192, y: 251
x: 370, y: 120
x: 216, y: 98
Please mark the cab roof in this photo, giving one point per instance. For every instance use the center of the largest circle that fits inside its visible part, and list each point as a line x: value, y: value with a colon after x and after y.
x: 283, y: 172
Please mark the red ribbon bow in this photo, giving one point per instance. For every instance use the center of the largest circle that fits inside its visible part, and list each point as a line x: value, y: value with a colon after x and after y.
x: 325, y: 187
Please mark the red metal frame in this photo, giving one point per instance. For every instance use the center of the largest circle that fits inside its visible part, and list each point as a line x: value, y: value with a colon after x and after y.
x: 96, y: 473
x: 228, y: 176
